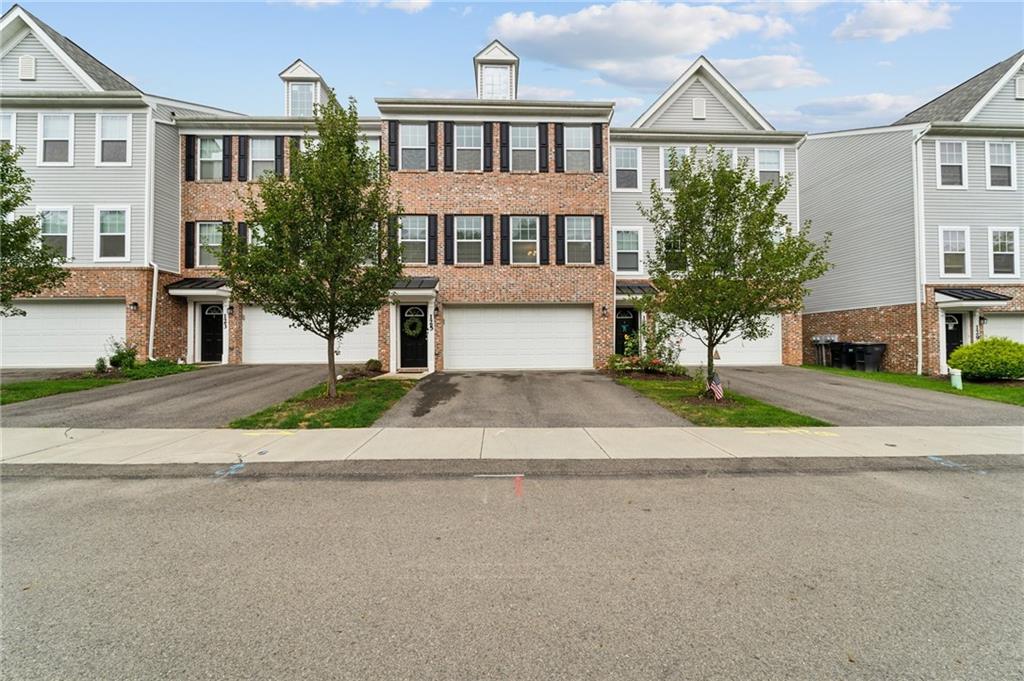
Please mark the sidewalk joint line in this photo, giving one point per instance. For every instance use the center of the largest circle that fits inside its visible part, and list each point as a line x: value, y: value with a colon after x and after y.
x: 365, y: 442
x: 709, y: 442
x: 482, y: 432
x: 592, y: 439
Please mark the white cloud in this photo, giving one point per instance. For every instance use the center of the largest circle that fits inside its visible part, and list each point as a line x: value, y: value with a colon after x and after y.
x: 441, y: 93
x: 628, y: 102
x: 408, y: 6
x: 893, y: 19
x: 596, y: 81
x: 850, y: 111
x: 883, y: 64
x: 770, y: 72
x: 776, y: 27
x: 539, y: 92
x: 796, y: 7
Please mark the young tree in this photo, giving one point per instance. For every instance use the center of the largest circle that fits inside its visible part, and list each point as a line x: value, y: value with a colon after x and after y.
x: 321, y: 253
x: 725, y: 257
x: 27, y: 266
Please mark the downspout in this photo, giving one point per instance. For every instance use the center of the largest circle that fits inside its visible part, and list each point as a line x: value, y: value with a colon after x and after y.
x: 150, y: 171
x: 919, y: 266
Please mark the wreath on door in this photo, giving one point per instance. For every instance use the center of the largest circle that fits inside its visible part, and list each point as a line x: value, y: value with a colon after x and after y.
x: 412, y: 326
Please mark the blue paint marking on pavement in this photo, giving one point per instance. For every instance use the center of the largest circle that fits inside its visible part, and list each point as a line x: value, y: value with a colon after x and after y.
x: 952, y: 464
x: 231, y: 470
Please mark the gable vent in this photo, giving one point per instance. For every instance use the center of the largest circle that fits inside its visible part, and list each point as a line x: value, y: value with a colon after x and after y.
x: 700, y: 107
x: 27, y: 67
x: 1020, y: 87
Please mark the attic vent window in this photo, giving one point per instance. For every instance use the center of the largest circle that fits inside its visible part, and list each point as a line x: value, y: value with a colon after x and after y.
x: 495, y: 82
x: 1020, y: 87
x: 301, y: 99
x: 26, y: 67
x: 699, y: 108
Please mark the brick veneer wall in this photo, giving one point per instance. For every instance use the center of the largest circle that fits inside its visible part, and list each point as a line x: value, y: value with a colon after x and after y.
x: 932, y: 324
x: 792, y: 339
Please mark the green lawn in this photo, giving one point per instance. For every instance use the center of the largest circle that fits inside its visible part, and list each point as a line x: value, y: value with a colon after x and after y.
x: 737, y: 411
x: 1010, y: 393
x: 361, y: 402
x: 30, y: 390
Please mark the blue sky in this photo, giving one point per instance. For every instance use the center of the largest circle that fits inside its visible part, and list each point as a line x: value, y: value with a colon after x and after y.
x: 805, y: 65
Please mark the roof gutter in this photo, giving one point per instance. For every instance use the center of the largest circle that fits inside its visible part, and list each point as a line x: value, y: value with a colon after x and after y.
x: 58, y: 100
x: 648, y: 134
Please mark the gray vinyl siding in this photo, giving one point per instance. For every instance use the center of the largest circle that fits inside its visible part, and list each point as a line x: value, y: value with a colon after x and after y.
x: 861, y: 189
x: 677, y: 113
x: 1004, y: 107
x: 975, y: 207
x: 51, y: 74
x: 166, y: 198
x: 85, y: 186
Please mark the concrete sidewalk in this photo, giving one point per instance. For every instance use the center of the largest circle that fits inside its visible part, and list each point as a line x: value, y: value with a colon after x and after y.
x: 215, y: 446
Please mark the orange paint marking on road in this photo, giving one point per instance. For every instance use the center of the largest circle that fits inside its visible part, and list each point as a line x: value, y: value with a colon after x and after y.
x: 518, y: 486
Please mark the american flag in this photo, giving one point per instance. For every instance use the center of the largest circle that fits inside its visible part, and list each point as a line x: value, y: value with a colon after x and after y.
x: 715, y: 386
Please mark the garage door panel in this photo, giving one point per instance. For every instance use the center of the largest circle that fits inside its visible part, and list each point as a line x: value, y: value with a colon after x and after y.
x: 61, y: 333
x: 1006, y: 326
x: 739, y: 351
x: 270, y: 339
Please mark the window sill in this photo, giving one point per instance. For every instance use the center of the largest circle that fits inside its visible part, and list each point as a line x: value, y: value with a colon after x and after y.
x: 943, y: 275
x: 210, y: 181
x: 1005, y: 276
x: 469, y: 172
x: 413, y: 171
x: 112, y: 259
x: 525, y: 264
x: 1000, y: 189
x: 959, y: 187
x: 55, y: 164
x: 629, y: 190
x: 126, y: 164
x: 581, y: 264
x: 469, y: 264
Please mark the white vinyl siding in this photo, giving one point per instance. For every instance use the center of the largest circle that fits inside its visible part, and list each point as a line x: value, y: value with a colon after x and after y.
x: 524, y: 148
x: 412, y: 234
x: 56, y: 140
x: 113, y: 140
x: 579, y: 240
x: 951, y: 157
x: 210, y: 235
x: 261, y: 157
x: 469, y: 147
x: 51, y: 74
x: 469, y: 239
x: 524, y: 234
x: 677, y: 112
x: 412, y: 143
x: 626, y: 175
x: 578, y: 148
x: 55, y: 229
x: 211, y: 158
x: 1000, y: 169
x: 1004, y: 252
x: 955, y: 257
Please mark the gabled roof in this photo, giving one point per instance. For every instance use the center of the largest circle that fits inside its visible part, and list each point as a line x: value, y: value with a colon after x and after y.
x: 300, y: 70
x: 963, y: 101
x: 97, y: 74
x: 496, y: 51
x: 702, y: 66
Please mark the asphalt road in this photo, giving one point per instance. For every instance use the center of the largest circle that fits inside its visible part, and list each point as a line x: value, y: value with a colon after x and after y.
x: 845, y: 401
x: 210, y: 397
x: 881, y: 575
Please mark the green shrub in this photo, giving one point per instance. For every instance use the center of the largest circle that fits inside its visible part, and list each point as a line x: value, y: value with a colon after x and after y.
x: 101, y: 365
x: 122, y: 355
x: 155, y: 368
x: 373, y: 365
x: 990, y: 359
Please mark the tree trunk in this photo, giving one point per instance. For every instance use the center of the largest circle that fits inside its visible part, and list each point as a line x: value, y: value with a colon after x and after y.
x: 711, y: 361
x: 332, y: 378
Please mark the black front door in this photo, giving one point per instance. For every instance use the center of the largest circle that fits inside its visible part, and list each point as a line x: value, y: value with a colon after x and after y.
x: 627, y: 322
x: 412, y: 330
x: 211, y: 332
x: 954, y: 332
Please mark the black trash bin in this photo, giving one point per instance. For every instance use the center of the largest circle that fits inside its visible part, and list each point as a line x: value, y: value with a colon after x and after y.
x: 873, y: 354
x: 837, y: 354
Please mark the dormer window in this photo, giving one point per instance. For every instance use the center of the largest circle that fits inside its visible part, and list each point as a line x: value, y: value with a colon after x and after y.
x: 300, y: 99
x: 495, y: 82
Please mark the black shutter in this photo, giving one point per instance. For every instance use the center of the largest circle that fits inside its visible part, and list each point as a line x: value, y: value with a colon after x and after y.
x: 545, y: 250
x: 503, y: 147
x: 449, y: 146
x: 488, y: 147
x: 598, y: 149
x: 225, y: 165
x: 393, y: 145
x: 243, y: 233
x: 190, y: 158
x: 559, y: 239
x: 598, y: 239
x: 449, y: 239
x: 559, y: 148
x: 432, y: 146
x: 243, y: 158
x: 488, y: 239
x: 279, y: 156
x: 432, y: 239
x: 504, y: 240
x: 190, y: 244
x: 542, y: 149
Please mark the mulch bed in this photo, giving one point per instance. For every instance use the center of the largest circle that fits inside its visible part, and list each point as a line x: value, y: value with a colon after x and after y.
x: 644, y: 376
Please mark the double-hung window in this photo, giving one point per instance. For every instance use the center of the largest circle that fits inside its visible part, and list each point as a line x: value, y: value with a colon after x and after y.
x: 579, y: 240
x: 412, y: 142
x: 733, y: 155
x: 261, y: 157
x: 113, y: 139
x: 523, y: 143
x: 469, y: 147
x: 111, y: 233
x: 952, y: 163
x: 469, y: 239
x: 300, y: 99
x: 627, y: 250
x: 7, y: 129
x: 675, y: 257
x: 577, y: 141
x: 769, y: 165
x: 56, y: 139
x: 627, y: 168
x: 211, y: 158
x: 524, y: 232
x: 208, y: 246
x: 55, y: 229
x: 1003, y: 251
x: 999, y: 157
x: 955, y: 260
x: 412, y: 234
x: 667, y: 154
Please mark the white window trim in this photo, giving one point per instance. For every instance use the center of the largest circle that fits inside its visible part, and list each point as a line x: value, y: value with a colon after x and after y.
x: 535, y: 148
x: 1013, y: 165
x: 967, y: 252
x: 507, y: 68
x: 199, y: 243
x: 315, y: 94
x: 71, y: 222
x: 425, y: 240
x: 782, y: 161
x: 99, y: 143
x: 455, y: 236
x: 127, y: 233
x: 14, y: 128
x: 640, y: 251
x: 425, y: 147
x: 303, y: 146
x: 1016, y: 253
x: 735, y: 153
x: 512, y: 241
x: 455, y: 145
x: 662, y: 166
x: 71, y: 140
x: 639, y: 168
x: 938, y: 164
x: 577, y: 241
x: 200, y: 159
x: 566, y: 149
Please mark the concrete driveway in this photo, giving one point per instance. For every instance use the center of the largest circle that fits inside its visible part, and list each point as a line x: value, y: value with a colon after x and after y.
x: 845, y: 401
x: 206, y: 398
x: 542, y: 399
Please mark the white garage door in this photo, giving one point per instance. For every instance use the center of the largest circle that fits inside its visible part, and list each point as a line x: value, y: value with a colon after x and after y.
x: 1006, y: 325
x: 61, y: 333
x: 518, y: 337
x: 268, y: 339
x: 740, y: 351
